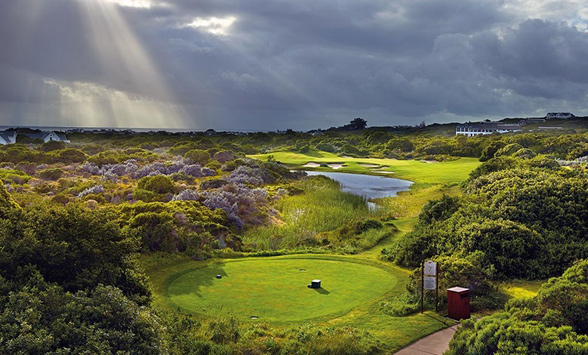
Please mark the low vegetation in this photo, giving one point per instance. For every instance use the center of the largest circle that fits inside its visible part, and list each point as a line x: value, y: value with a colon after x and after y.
x: 500, y: 214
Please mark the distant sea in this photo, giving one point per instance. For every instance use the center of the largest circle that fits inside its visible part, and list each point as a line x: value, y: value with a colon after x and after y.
x: 87, y: 129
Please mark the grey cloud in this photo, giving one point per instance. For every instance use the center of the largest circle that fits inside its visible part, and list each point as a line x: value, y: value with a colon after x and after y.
x: 304, y: 65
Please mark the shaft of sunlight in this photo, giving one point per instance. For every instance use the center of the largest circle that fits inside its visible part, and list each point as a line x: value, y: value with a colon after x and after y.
x: 135, y: 94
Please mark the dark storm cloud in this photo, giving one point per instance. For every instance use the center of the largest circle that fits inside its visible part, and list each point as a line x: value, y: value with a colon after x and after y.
x: 538, y: 57
x: 309, y: 64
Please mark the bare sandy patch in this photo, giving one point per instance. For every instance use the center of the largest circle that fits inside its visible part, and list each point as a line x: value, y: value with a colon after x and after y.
x: 335, y: 165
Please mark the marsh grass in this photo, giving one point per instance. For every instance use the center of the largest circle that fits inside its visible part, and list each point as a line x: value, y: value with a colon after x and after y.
x: 321, y: 208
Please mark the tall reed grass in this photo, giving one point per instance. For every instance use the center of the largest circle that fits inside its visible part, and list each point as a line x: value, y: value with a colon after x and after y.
x: 322, y: 207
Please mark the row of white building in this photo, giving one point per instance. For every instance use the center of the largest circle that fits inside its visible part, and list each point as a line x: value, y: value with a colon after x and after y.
x: 476, y: 129
x: 9, y: 137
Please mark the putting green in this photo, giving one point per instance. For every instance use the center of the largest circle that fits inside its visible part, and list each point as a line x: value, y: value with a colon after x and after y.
x: 275, y: 289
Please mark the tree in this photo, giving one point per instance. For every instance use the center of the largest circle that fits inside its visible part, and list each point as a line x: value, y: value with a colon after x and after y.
x: 357, y: 124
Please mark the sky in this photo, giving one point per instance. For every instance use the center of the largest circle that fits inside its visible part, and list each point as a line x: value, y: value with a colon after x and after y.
x: 280, y: 64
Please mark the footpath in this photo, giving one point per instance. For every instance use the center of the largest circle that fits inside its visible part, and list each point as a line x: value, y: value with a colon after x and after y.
x: 434, y: 344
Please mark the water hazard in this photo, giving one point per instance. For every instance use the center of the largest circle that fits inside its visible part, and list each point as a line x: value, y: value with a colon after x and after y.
x: 367, y: 186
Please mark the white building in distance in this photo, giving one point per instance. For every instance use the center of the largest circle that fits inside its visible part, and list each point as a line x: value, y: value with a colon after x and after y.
x: 477, y: 129
x: 559, y: 115
x: 9, y: 137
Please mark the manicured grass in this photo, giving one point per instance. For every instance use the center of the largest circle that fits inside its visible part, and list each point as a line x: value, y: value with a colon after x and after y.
x: 275, y: 289
x: 521, y: 288
x: 404, y: 226
x: 365, y: 315
x: 447, y: 173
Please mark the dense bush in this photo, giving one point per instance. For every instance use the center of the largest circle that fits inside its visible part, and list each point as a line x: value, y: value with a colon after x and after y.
x: 11, y: 176
x: 529, y: 220
x: 553, y: 322
x: 182, y: 148
x: 70, y: 246
x: 68, y: 156
x: 197, y: 156
x: 38, y: 317
x: 326, y: 147
x: 224, y: 156
x: 7, y: 203
x: 176, y: 226
x: 52, y: 145
x: 157, y: 184
x: 51, y: 174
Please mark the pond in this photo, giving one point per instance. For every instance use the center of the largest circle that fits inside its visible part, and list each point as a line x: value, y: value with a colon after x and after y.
x: 368, y: 186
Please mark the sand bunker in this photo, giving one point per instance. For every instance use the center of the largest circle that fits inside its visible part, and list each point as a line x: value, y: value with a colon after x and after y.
x: 335, y: 165
x: 311, y: 165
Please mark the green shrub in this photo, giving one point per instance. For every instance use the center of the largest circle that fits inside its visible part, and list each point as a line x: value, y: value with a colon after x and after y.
x: 107, y: 157
x: 92, y: 149
x: 214, y: 165
x: 159, y: 184
x: 198, y: 156
x: 326, y: 147
x: 508, y: 150
x: 61, y: 199
x: 7, y: 203
x: 51, y: 174
x: 553, y: 322
x: 181, y: 148
x: 52, y: 145
x: 10, y: 176
x: 176, y: 226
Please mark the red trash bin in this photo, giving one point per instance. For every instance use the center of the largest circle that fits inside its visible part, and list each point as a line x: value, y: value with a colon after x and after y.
x: 458, y: 303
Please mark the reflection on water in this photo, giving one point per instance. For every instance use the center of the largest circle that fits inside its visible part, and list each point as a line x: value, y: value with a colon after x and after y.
x: 367, y: 186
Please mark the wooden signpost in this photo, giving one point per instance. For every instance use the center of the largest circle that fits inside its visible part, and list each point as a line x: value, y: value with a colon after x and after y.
x: 430, y: 281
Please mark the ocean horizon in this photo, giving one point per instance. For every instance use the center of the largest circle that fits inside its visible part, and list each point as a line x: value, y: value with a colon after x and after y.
x: 121, y: 129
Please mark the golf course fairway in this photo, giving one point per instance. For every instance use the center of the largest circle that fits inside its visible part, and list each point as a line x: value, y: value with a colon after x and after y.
x: 275, y: 289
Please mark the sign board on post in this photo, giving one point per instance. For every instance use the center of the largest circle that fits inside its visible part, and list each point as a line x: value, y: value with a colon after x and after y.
x: 431, y: 268
x: 430, y: 283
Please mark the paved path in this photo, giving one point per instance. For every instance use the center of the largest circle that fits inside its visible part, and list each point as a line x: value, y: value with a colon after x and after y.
x: 434, y: 344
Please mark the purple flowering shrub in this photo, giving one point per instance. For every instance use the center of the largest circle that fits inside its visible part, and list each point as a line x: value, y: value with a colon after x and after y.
x: 187, y: 195
x: 246, y: 175
x: 177, y: 226
x: 98, y: 189
x: 243, y: 205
